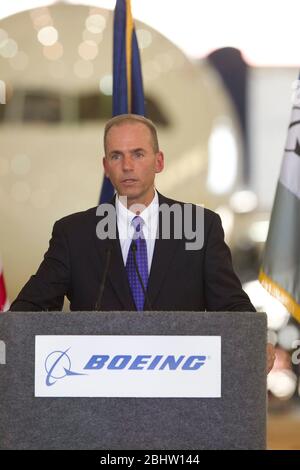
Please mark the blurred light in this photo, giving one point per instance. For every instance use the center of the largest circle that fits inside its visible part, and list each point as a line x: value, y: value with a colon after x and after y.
x: 243, y: 201
x: 88, y: 50
x: 227, y: 219
x: 258, y: 231
x: 20, y: 164
x: 95, y: 23
x: 88, y: 36
x: 106, y: 85
x: 256, y: 293
x: 272, y: 337
x: 48, y: 36
x: 8, y: 48
x: 20, y: 191
x: 54, y: 52
x: 83, y: 69
x: 192, y: 30
x: 282, y: 383
x: 19, y: 61
x: 222, y: 159
x: 287, y: 335
x: 277, y: 314
x: 144, y: 38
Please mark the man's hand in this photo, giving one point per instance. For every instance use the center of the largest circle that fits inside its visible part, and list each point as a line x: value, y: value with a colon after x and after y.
x: 270, y: 356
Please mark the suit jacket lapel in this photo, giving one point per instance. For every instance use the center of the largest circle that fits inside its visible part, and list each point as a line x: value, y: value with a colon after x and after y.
x: 164, y: 251
x: 118, y: 276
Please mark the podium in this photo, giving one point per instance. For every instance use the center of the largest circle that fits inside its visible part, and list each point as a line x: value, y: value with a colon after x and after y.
x: 234, y: 420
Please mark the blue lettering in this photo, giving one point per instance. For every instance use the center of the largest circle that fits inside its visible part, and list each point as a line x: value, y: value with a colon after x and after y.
x: 96, y: 362
x: 154, y: 362
x: 171, y: 362
x: 123, y: 362
x: 142, y: 362
x: 139, y: 362
x: 197, y: 360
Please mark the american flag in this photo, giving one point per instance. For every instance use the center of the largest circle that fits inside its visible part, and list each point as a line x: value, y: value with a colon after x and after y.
x: 4, y: 304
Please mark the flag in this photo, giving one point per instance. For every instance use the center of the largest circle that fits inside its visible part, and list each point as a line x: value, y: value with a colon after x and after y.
x: 280, y: 271
x: 128, y: 94
x: 4, y: 305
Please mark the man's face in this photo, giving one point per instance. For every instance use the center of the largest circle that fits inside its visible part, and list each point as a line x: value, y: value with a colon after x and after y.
x: 131, y: 163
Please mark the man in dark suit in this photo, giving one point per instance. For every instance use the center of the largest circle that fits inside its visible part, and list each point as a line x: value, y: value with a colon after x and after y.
x: 116, y: 273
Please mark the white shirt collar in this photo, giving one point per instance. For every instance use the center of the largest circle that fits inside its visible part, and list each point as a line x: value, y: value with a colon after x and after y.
x: 149, y: 216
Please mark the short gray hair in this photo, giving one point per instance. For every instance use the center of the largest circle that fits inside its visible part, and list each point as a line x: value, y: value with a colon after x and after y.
x: 132, y: 119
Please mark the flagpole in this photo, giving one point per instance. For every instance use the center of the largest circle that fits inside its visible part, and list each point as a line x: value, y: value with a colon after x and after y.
x: 128, y: 93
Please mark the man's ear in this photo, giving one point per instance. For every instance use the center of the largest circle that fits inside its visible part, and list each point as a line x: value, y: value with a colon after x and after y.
x: 104, y: 162
x: 159, y: 166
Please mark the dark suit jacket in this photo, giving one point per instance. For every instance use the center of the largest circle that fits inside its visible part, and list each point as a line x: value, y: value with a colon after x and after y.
x: 179, y: 279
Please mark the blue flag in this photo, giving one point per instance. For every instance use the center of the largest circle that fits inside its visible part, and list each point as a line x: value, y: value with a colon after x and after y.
x: 128, y: 94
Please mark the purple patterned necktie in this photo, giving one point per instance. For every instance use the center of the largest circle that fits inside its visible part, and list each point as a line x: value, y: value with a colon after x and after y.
x: 142, y: 263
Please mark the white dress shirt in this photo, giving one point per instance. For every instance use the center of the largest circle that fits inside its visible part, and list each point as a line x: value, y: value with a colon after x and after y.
x: 126, y: 229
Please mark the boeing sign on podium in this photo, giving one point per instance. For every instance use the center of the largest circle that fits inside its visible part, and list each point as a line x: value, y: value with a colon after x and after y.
x: 128, y: 366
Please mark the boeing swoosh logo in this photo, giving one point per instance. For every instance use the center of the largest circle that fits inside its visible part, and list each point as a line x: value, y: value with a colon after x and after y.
x: 58, y: 366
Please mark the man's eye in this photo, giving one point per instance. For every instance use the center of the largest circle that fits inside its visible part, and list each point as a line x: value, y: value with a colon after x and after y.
x: 115, y: 156
x: 139, y: 154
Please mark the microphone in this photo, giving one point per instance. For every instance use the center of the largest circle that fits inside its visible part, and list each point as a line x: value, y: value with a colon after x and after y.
x: 134, y: 248
x: 102, y: 285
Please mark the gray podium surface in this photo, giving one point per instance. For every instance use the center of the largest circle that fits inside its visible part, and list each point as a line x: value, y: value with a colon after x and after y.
x: 237, y: 420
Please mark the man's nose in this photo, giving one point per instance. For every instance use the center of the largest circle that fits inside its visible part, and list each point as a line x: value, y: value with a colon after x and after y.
x: 127, y: 162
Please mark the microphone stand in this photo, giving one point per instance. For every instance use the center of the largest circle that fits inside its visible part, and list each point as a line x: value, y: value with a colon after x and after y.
x: 102, y: 285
